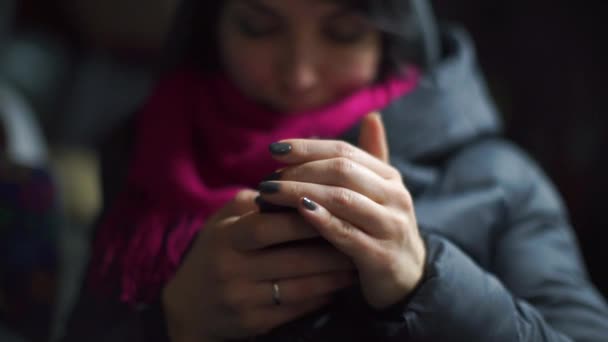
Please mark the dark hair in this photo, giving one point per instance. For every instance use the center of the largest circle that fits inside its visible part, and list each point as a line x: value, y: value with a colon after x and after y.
x: 193, y: 39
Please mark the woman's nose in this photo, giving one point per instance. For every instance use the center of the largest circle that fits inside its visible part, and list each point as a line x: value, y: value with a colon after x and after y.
x: 300, y: 69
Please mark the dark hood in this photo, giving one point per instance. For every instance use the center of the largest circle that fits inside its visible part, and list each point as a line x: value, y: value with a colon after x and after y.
x: 450, y: 107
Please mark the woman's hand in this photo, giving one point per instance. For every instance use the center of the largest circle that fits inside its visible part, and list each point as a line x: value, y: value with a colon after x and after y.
x: 358, y: 202
x: 224, y: 288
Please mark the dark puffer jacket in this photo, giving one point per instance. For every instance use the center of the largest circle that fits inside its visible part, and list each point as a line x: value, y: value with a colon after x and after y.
x: 503, y: 262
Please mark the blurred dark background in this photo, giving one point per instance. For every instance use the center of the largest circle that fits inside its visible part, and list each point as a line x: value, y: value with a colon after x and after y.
x: 79, y: 68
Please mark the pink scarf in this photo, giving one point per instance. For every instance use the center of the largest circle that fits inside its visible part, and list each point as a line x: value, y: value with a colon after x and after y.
x: 199, y: 141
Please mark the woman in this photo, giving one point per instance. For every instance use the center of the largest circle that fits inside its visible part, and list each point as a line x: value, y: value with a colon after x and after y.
x: 453, y: 235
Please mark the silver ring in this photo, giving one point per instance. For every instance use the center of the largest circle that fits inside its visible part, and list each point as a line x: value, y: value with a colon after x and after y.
x: 276, y: 293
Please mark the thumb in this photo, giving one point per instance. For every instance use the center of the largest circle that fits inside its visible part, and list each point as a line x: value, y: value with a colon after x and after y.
x: 372, y: 137
x: 241, y: 204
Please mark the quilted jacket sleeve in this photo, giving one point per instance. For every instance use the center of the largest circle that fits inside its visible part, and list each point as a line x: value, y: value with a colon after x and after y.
x: 536, y: 288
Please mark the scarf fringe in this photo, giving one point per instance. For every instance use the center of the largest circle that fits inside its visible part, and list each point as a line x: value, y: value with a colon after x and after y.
x: 138, y: 251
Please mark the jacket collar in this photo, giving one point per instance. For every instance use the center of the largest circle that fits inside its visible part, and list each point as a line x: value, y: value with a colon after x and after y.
x: 450, y: 107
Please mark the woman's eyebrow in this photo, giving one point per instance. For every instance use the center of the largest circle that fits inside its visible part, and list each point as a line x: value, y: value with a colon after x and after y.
x: 342, y: 8
x: 258, y: 6
x: 342, y: 12
x: 335, y: 2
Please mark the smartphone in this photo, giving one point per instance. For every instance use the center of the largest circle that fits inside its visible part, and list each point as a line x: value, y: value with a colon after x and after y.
x: 269, y: 208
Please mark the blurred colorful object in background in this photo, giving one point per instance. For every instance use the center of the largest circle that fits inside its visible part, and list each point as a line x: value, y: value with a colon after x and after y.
x: 28, y: 257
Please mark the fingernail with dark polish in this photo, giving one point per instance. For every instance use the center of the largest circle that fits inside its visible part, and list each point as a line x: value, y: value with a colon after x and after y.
x: 308, y: 204
x: 273, y: 177
x: 269, y: 188
x: 280, y: 149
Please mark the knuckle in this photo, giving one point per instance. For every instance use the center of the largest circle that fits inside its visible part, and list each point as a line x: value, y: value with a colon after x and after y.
x: 342, y: 166
x: 345, y: 149
x: 388, y: 194
x: 398, y: 196
x: 405, y: 200
x: 395, y: 174
x: 301, y: 147
x: 342, y: 197
x: 344, y: 230
x: 294, y: 188
x: 404, y: 228
x: 398, y: 228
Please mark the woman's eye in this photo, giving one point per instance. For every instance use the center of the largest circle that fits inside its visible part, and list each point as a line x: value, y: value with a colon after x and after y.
x: 253, y: 29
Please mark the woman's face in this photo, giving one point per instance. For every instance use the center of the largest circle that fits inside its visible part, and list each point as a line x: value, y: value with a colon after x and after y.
x: 295, y: 55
